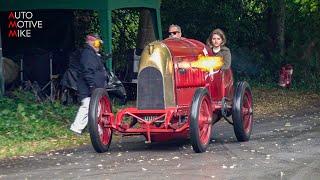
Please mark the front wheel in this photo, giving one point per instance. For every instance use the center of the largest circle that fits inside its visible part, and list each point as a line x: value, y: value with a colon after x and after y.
x: 200, y: 120
x: 99, y: 117
x: 242, y: 112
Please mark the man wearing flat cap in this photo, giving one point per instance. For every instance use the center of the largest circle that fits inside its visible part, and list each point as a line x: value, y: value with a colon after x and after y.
x: 92, y: 75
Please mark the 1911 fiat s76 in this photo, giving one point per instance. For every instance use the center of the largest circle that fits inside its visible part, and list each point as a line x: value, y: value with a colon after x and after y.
x: 175, y: 102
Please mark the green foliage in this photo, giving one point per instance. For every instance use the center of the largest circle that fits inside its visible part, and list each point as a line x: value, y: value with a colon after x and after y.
x: 85, y: 22
x: 234, y: 17
x: 124, y: 32
x: 249, y: 26
x: 23, y: 120
x: 124, y: 35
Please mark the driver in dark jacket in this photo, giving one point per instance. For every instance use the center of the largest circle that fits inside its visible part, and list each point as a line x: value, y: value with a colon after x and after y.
x: 92, y: 75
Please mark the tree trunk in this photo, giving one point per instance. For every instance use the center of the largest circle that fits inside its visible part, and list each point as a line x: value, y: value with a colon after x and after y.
x: 1, y: 70
x: 275, y: 14
x: 280, y: 26
x: 145, y: 31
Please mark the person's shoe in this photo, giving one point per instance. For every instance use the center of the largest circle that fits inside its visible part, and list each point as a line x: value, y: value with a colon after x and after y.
x: 75, y: 131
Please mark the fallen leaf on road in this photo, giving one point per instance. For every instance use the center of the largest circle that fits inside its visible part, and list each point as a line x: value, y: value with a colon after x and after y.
x: 287, y: 124
x: 268, y: 156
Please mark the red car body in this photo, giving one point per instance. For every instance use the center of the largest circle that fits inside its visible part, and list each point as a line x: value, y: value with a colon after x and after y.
x: 172, y: 102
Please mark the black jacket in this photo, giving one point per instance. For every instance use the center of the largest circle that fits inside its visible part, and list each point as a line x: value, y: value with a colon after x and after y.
x: 92, y: 72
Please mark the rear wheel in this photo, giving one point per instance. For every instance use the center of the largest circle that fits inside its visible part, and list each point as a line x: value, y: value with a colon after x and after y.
x: 242, y: 112
x: 99, y: 108
x: 200, y: 120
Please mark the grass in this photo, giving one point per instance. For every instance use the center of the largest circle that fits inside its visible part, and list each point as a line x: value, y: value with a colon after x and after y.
x: 28, y: 128
x: 275, y: 101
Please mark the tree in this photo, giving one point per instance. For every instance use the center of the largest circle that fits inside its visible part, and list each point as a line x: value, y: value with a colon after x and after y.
x: 145, y: 29
x: 279, y: 6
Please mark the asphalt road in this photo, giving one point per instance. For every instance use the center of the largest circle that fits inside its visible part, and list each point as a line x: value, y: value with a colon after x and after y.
x: 286, y: 146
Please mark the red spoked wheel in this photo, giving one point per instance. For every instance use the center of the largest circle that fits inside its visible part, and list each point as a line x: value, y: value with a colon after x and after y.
x: 200, y: 120
x: 242, y: 112
x: 99, y: 109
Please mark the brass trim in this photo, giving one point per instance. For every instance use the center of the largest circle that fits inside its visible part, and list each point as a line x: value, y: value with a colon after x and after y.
x: 158, y: 55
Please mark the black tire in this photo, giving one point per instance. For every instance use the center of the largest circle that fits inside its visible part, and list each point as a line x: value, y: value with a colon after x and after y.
x: 242, y: 112
x: 100, y: 136
x: 200, y: 111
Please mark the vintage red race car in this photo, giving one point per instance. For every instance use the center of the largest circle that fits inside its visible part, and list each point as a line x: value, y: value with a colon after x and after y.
x: 174, y: 102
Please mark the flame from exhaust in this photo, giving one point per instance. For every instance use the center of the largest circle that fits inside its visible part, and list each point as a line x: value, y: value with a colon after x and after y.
x: 208, y: 63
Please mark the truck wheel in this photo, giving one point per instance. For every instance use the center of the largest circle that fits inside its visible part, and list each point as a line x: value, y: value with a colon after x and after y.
x: 242, y: 112
x: 200, y: 120
x: 99, y: 107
